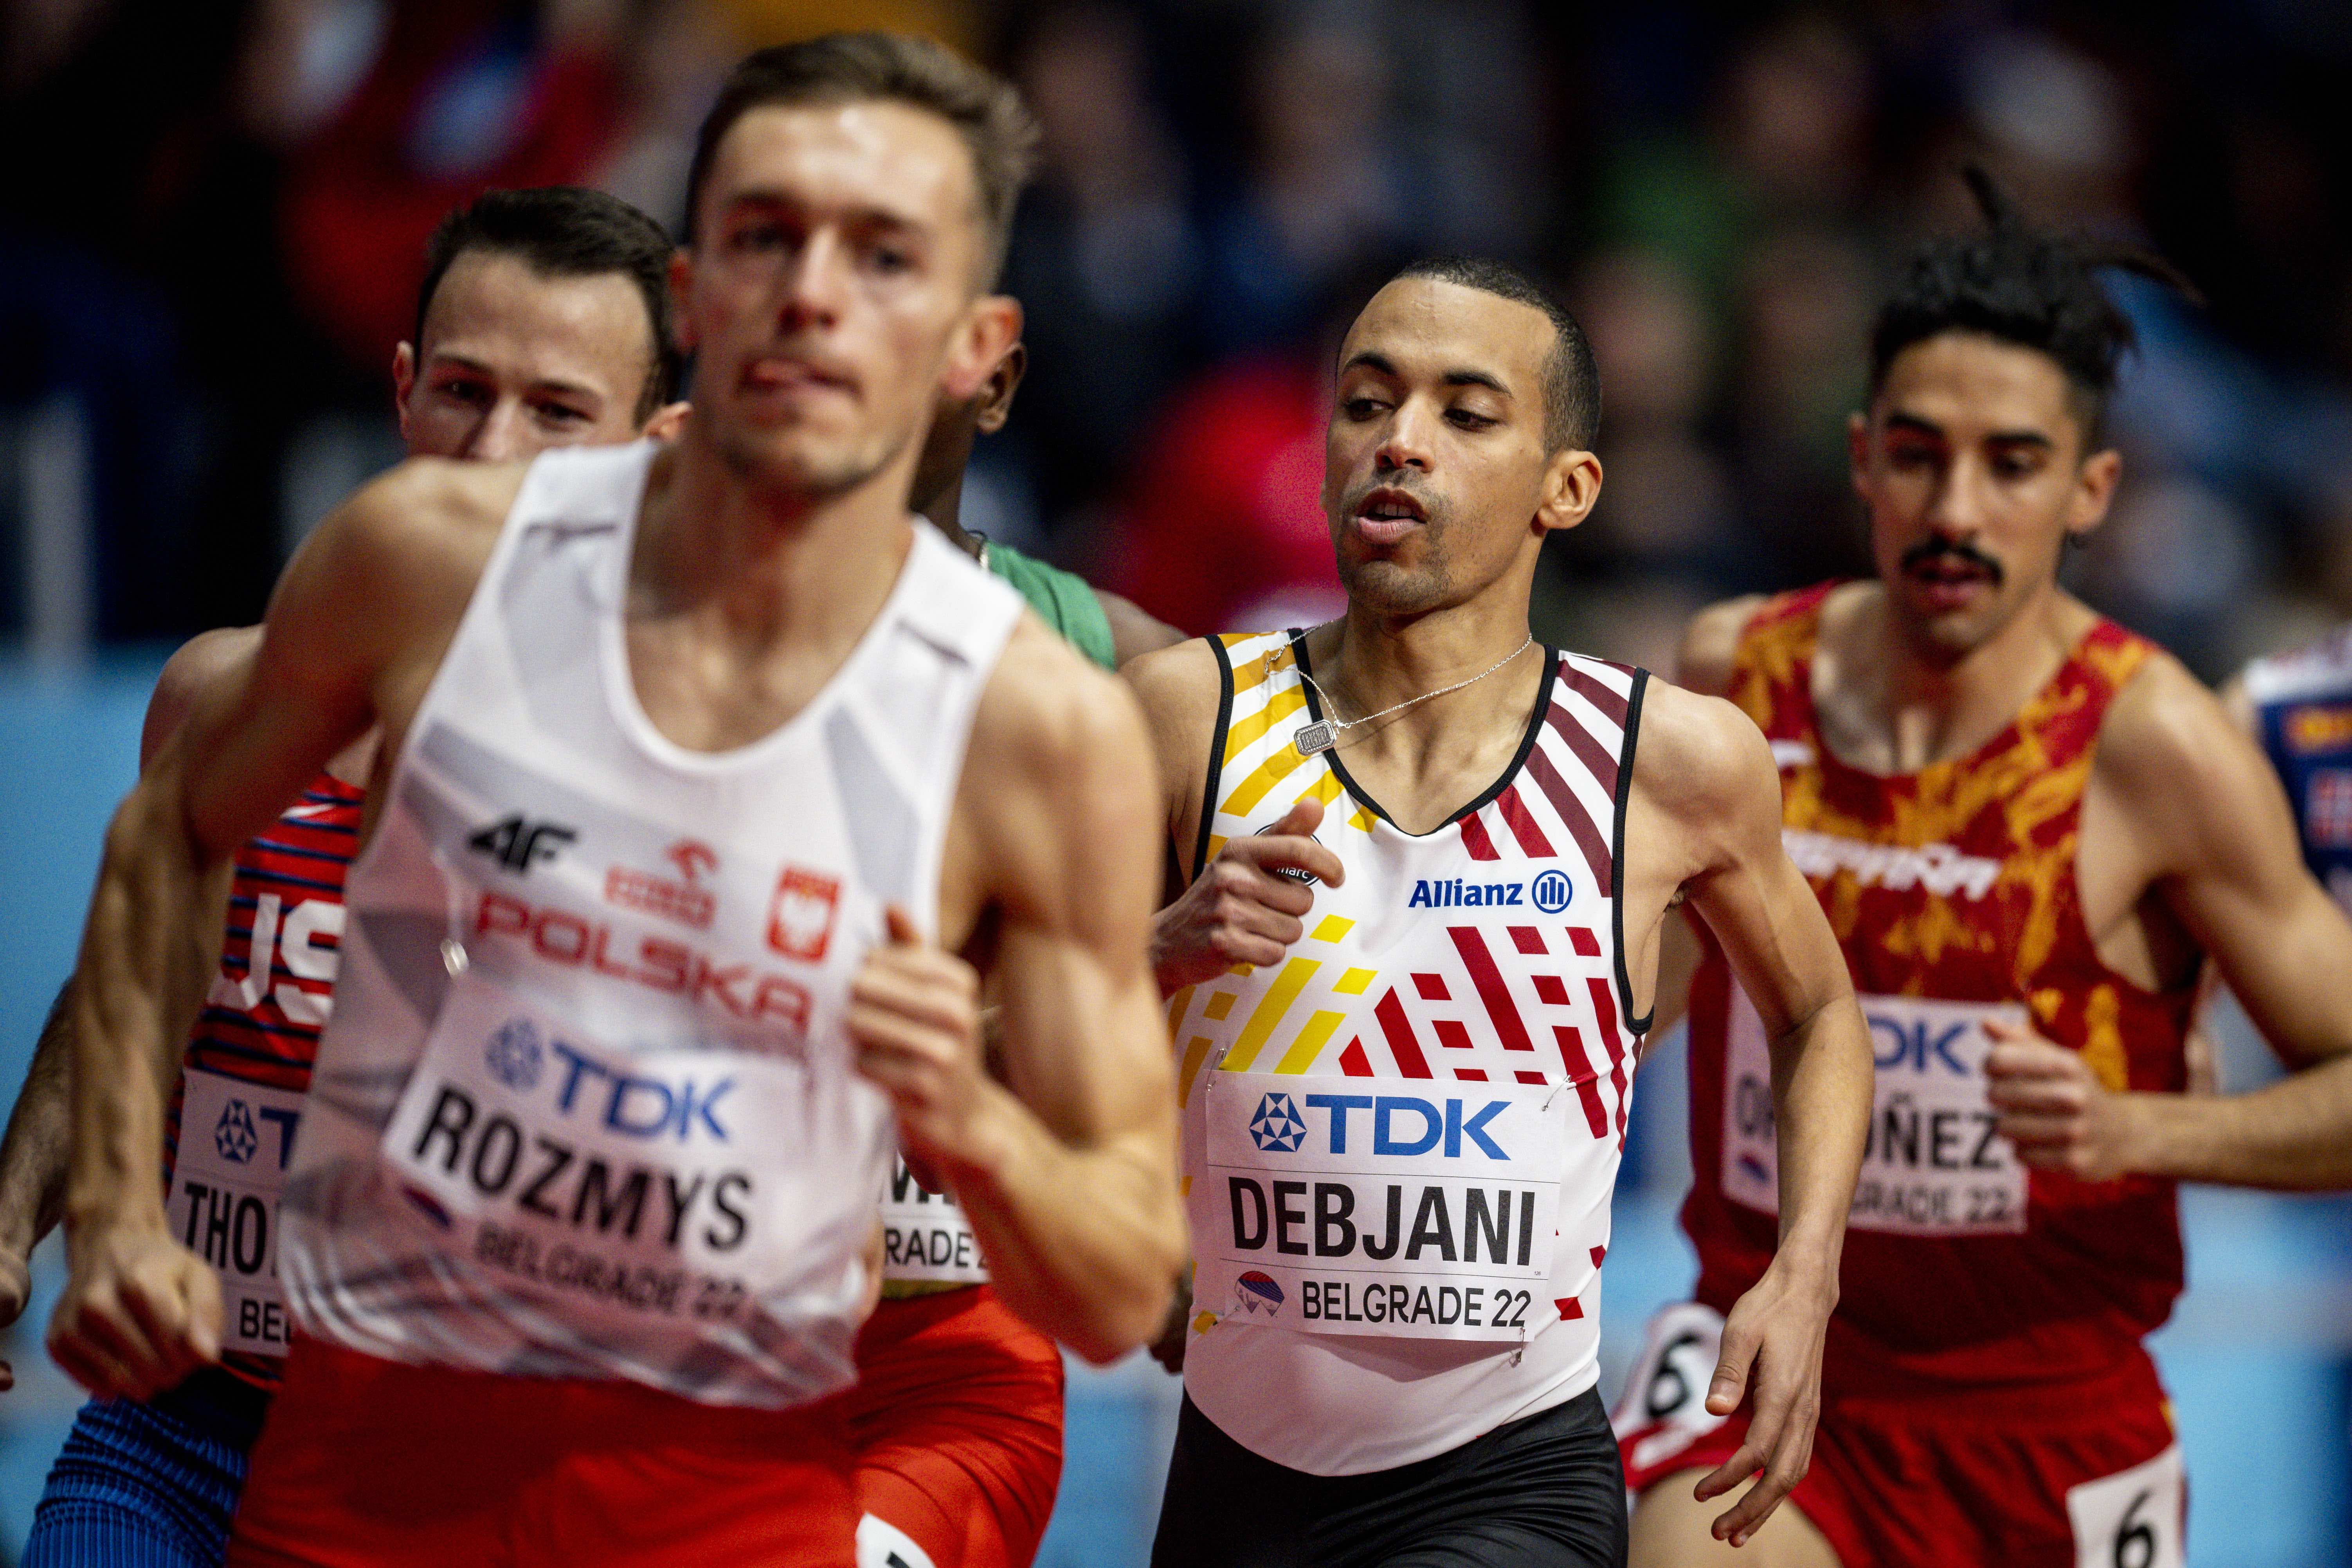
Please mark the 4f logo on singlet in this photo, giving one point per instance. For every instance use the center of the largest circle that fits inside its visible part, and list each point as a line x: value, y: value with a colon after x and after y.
x: 517, y: 842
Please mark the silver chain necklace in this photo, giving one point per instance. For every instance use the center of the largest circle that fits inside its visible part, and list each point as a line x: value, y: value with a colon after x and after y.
x: 1324, y: 733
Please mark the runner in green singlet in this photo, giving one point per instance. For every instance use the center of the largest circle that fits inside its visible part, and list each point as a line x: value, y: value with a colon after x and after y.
x: 1105, y: 627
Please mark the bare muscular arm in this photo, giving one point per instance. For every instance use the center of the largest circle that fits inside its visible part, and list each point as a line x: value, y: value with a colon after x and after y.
x: 34, y: 1152
x: 1704, y: 819
x: 1067, y: 1170
x: 2183, y: 804
x: 1703, y: 666
x: 357, y: 622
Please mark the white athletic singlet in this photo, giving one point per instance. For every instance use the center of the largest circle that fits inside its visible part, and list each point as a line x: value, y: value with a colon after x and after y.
x: 585, y: 1107
x: 1401, y: 1142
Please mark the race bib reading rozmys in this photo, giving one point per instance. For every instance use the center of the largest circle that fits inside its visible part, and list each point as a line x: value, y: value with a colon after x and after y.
x: 638, y: 1194
x: 1351, y: 1205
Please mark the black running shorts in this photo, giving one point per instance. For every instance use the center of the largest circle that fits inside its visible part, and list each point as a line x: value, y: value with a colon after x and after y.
x: 1543, y: 1492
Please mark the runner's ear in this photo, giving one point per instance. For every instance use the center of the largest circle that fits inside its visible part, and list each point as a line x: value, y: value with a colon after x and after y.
x: 1572, y: 484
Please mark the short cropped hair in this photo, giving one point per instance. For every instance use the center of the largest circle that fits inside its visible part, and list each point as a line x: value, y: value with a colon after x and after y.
x: 1571, y: 381
x: 848, y: 68
x: 2020, y: 283
x: 566, y: 231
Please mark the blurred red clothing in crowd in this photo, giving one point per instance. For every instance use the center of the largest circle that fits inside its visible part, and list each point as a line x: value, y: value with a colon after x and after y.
x: 464, y: 96
x: 1225, y: 531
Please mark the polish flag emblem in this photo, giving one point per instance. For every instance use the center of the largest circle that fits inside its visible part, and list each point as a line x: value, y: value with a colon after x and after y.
x: 800, y: 921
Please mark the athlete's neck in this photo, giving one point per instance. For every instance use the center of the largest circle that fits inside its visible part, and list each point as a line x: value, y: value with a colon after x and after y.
x: 943, y: 510
x: 1893, y: 702
x: 1427, y: 762
x: 741, y: 606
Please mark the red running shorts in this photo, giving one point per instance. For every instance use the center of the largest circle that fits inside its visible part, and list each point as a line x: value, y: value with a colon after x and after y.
x: 367, y: 1463
x: 956, y: 1424
x: 2018, y: 1477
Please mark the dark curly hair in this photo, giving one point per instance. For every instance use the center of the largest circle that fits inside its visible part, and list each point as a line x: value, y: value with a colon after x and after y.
x: 2023, y: 284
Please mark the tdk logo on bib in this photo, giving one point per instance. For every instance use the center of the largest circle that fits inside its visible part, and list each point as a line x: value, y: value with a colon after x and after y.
x: 1917, y: 1045
x: 234, y: 1135
x: 1402, y: 1124
x: 1277, y: 1126
x: 634, y: 1105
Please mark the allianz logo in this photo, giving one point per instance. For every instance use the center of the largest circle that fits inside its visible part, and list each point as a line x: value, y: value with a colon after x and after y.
x: 1551, y: 893
x: 1939, y: 867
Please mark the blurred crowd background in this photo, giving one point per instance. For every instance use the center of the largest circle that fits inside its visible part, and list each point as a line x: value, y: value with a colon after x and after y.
x: 212, y: 220
x: 211, y: 227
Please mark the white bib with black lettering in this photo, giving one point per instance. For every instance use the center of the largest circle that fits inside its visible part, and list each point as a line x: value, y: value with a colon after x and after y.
x: 236, y: 1141
x: 629, y: 1184
x: 926, y: 1240
x: 1933, y: 1165
x: 1379, y: 1207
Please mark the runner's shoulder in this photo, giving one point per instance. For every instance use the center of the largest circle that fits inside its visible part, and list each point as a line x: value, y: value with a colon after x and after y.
x: 1710, y: 645
x: 1181, y: 687
x: 407, y: 546
x: 1701, y: 760
x: 1050, y: 714
x: 2191, y: 781
x: 2168, y: 746
x: 429, y: 510
x: 194, y: 666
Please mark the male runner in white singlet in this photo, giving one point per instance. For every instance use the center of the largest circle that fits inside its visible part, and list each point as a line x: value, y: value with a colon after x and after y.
x: 584, y: 1202
x: 1403, y: 1105
x: 542, y: 320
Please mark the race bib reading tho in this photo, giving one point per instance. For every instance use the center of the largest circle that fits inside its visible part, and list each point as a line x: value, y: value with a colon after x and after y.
x: 1347, y: 1205
x: 235, y: 1141
x: 1933, y: 1165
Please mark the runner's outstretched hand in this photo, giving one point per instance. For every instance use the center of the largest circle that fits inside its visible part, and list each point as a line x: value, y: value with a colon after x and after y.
x: 1241, y: 909
x: 140, y: 1311
x: 914, y: 1018
x: 1771, y: 1355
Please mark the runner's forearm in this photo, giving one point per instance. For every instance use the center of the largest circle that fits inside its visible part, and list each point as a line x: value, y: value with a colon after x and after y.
x: 146, y: 955
x: 2296, y: 1135
x: 1096, y: 1274
x: 34, y: 1152
x: 1821, y: 1107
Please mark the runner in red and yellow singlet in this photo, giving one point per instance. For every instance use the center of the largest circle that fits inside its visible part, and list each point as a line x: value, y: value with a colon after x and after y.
x: 2029, y: 829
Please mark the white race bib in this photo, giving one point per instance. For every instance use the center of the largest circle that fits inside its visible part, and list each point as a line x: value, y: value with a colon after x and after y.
x: 2132, y: 1519
x: 1933, y: 1165
x: 636, y: 1194
x: 235, y: 1139
x: 1386, y: 1207
x: 925, y: 1236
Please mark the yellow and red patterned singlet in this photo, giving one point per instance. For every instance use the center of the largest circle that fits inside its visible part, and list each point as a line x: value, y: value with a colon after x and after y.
x: 1952, y: 891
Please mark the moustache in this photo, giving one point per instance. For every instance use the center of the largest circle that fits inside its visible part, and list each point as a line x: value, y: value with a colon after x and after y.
x: 1956, y: 549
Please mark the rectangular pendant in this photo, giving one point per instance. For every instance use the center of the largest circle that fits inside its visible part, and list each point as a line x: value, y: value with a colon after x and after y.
x: 1313, y: 738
